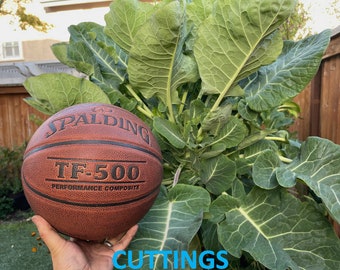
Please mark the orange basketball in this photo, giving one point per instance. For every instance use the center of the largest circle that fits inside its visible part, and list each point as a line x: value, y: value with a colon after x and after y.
x: 92, y: 171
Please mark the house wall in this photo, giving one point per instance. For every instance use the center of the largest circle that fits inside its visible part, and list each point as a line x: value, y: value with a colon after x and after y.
x: 35, y: 45
x: 38, y: 50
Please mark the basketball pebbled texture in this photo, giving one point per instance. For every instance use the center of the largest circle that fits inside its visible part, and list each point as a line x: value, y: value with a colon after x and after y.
x: 92, y: 171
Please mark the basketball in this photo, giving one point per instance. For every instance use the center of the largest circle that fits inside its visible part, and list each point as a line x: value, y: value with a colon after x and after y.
x: 92, y: 171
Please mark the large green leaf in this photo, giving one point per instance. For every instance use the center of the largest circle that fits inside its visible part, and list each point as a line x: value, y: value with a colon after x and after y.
x: 124, y: 20
x: 198, y: 11
x: 245, y: 161
x: 170, y: 131
x: 216, y: 119
x: 157, y: 64
x: 92, y: 52
x: 209, y: 236
x: 319, y: 167
x: 235, y: 41
x: 217, y: 174
x: 89, y: 45
x: 51, y: 93
x: 264, y: 169
x: 246, y: 113
x: 288, y: 75
x: 277, y: 230
x: 171, y: 224
x: 60, y: 51
x: 230, y: 135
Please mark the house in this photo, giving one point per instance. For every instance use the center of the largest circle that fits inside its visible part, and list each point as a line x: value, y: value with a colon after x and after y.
x: 28, y: 53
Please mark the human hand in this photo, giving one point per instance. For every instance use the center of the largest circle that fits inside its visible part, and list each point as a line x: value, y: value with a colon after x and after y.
x: 77, y: 254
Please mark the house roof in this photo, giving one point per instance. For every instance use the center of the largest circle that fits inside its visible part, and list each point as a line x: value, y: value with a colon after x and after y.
x: 14, y: 74
x: 57, y: 3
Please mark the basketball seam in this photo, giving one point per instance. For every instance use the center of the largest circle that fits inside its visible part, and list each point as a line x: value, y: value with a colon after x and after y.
x: 37, y: 192
x: 87, y: 142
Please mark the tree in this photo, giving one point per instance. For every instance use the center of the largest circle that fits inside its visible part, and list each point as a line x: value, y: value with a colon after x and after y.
x: 17, y: 9
x: 294, y: 28
x: 334, y: 9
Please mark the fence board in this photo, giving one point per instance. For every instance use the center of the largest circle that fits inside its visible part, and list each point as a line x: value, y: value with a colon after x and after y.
x: 302, y: 126
x: 330, y: 100
x: 16, y: 127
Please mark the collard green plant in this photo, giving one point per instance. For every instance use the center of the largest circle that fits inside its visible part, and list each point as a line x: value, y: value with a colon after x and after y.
x: 214, y: 80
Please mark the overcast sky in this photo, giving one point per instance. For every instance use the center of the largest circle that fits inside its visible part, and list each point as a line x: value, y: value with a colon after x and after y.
x: 321, y: 19
x: 319, y: 11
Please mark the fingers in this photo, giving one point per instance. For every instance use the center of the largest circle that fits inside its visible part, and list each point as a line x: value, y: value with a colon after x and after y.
x: 48, y: 234
x: 56, y: 243
x: 125, y: 240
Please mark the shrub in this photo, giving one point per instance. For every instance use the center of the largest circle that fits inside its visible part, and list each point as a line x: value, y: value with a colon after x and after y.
x: 10, y: 169
x: 10, y: 177
x: 6, y: 206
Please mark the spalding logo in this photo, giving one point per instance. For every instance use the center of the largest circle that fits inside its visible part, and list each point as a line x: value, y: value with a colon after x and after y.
x: 99, y: 116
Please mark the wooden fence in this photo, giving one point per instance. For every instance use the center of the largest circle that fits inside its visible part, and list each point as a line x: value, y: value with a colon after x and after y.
x: 16, y: 125
x: 320, y: 101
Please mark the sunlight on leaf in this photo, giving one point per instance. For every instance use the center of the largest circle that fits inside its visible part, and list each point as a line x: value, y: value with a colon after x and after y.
x: 67, y: 91
x: 276, y: 228
x: 319, y: 167
x: 171, y: 223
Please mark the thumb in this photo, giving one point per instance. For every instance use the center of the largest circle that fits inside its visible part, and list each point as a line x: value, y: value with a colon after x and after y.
x: 48, y: 234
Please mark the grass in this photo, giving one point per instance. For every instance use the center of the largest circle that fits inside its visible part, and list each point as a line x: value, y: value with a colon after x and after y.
x: 20, y: 244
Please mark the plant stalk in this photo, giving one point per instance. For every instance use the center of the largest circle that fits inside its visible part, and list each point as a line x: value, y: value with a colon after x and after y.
x: 143, y: 108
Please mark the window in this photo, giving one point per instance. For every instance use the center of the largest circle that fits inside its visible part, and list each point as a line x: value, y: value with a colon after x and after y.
x: 10, y: 50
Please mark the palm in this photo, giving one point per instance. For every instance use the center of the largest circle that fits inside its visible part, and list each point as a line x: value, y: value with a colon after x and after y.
x: 78, y: 254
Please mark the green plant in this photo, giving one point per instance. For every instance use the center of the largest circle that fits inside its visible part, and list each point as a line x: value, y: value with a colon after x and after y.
x: 213, y: 79
x: 10, y: 169
x: 10, y: 177
x: 6, y: 206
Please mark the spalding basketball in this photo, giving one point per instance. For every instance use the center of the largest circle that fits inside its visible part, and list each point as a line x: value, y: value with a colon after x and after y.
x: 92, y: 171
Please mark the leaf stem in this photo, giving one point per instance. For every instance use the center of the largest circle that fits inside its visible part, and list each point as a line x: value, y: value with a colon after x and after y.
x: 177, y: 174
x: 169, y: 105
x: 142, y: 107
x: 284, y: 159
x: 217, y: 102
x: 146, y: 113
x: 184, y: 97
x: 279, y: 139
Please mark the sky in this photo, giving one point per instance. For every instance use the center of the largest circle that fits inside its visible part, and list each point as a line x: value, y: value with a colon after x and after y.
x: 321, y: 19
x: 10, y: 31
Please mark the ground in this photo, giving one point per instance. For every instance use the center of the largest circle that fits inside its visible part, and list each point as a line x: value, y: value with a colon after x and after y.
x: 20, y: 245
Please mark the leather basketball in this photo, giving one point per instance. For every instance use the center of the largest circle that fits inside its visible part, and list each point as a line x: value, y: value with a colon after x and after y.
x: 92, y: 171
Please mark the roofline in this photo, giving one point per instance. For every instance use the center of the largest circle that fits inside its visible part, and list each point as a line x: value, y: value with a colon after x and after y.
x: 336, y: 31
x: 15, y: 73
x: 58, y: 3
